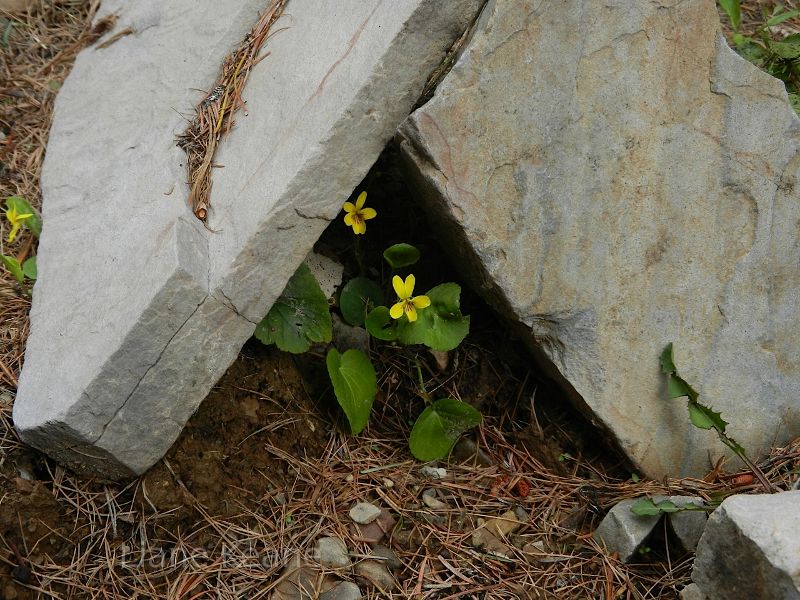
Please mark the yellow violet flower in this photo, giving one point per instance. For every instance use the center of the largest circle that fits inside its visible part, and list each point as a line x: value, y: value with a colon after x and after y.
x: 16, y: 220
x: 357, y: 214
x: 408, y: 304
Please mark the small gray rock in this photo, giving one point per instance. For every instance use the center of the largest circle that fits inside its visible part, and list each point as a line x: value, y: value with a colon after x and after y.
x: 624, y: 532
x: 688, y: 525
x: 376, y: 573
x: 364, y: 513
x: 431, y: 501
x: 344, y: 590
x: 433, y: 472
x: 374, y: 532
x: 331, y: 552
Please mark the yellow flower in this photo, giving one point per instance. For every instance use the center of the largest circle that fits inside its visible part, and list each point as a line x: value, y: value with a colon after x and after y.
x: 357, y: 214
x: 408, y: 305
x: 16, y: 220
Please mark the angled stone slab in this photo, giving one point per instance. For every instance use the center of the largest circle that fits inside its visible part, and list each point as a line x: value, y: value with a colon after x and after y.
x: 139, y: 309
x: 751, y: 548
x: 620, y: 179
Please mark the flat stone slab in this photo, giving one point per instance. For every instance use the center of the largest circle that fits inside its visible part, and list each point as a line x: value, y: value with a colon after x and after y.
x: 139, y: 309
x: 616, y: 178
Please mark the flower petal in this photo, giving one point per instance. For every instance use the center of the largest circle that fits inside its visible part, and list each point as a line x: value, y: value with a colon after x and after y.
x: 348, y: 219
x: 13, y: 233
x: 399, y: 287
x: 411, y: 312
x: 368, y: 213
x: 410, y: 282
x: 359, y: 227
x: 396, y: 311
x: 349, y: 207
x: 421, y: 301
x: 362, y: 198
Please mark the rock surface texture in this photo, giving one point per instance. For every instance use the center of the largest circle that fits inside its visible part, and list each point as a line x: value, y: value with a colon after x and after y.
x: 620, y: 179
x: 139, y: 309
x: 751, y: 549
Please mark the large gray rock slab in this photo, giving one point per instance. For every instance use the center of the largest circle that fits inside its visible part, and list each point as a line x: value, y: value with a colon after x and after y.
x: 138, y: 308
x: 751, y: 549
x: 619, y: 179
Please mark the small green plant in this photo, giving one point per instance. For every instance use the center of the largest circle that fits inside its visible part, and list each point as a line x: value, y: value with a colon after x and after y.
x: 778, y: 57
x: 702, y: 416
x: 647, y: 507
x: 301, y: 317
x: 20, y: 214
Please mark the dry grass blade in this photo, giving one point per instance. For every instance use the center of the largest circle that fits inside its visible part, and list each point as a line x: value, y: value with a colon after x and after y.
x: 215, y: 114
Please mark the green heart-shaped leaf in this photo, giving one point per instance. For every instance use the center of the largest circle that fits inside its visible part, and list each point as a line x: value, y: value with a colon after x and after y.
x: 357, y: 298
x: 12, y: 264
x: 401, y: 255
x: 29, y: 268
x: 355, y: 385
x: 439, y: 426
x: 299, y: 318
x: 380, y: 324
x: 440, y: 326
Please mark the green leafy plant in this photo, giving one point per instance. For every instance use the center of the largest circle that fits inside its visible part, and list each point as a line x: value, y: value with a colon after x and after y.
x: 778, y: 57
x: 301, y: 318
x: 702, y: 416
x: 649, y: 507
x: 401, y: 255
x: 439, y: 426
x: 357, y: 298
x: 20, y: 271
x: 21, y: 215
x: 355, y: 385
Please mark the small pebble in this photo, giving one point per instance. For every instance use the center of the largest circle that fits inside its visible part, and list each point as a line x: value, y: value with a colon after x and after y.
x: 331, y: 552
x: 431, y: 501
x: 374, y: 532
x: 388, y: 483
x: 376, y: 573
x: 433, y: 472
x: 349, y: 478
x: 506, y: 524
x: 364, y: 513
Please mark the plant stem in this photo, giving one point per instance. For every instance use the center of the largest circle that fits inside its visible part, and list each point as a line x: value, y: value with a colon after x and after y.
x: 759, y: 474
x: 422, y: 391
x: 359, y: 255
